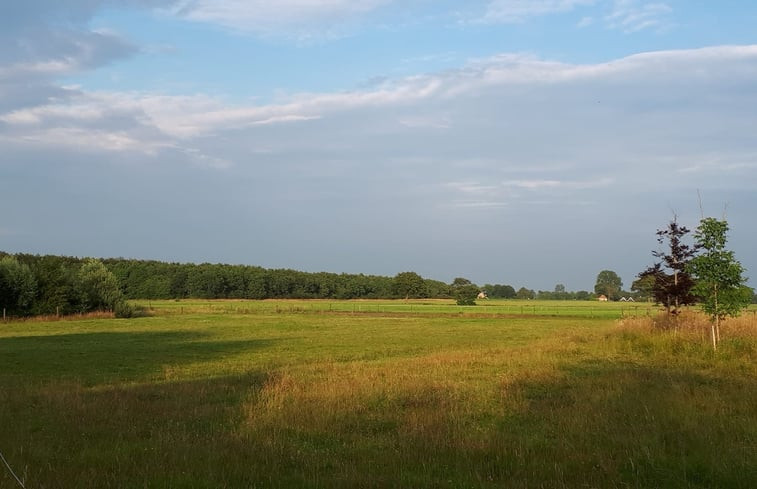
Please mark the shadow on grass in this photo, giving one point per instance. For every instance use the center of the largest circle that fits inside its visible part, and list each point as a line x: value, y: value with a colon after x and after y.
x: 617, y: 423
x: 93, y: 358
x: 168, y: 434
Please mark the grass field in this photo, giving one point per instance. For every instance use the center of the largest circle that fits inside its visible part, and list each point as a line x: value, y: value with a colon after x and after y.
x: 583, y: 309
x: 373, y: 394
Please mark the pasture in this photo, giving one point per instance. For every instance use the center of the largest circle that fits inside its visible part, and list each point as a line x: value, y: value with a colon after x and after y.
x: 348, y: 394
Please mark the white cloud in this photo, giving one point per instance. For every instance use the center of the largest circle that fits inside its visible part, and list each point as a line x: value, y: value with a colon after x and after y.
x: 526, y: 141
x: 633, y: 15
x: 626, y: 15
x: 490, y: 107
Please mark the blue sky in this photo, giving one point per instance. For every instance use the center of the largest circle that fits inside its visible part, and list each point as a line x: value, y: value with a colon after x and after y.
x: 506, y: 141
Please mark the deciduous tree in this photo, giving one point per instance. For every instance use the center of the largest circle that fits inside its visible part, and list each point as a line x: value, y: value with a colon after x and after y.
x: 408, y: 284
x: 720, y: 282
x: 608, y: 284
x: 97, y: 286
x: 17, y: 286
x: 671, y: 283
x: 464, y: 292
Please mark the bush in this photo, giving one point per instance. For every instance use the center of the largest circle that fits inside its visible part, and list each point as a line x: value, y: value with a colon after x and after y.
x: 465, y: 295
x: 124, y: 310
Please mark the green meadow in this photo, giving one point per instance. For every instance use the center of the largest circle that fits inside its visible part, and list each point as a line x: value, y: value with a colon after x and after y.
x: 403, y: 394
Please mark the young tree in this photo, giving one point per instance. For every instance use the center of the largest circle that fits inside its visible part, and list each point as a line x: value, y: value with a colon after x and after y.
x: 671, y: 283
x: 609, y: 284
x: 720, y: 281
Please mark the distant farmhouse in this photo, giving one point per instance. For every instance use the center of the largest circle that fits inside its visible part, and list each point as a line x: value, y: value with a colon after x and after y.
x: 602, y: 298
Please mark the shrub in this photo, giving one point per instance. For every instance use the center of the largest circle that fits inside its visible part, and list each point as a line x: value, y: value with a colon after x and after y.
x: 124, y: 310
x: 465, y: 295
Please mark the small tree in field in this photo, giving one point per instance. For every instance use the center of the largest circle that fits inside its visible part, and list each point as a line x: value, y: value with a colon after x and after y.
x: 720, y: 283
x: 670, y: 282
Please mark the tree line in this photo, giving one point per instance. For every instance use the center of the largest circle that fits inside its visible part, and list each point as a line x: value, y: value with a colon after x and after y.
x: 49, y: 284
x: 40, y: 285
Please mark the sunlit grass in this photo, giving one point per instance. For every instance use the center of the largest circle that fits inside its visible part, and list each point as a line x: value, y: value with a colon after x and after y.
x: 287, y: 399
x: 494, y: 307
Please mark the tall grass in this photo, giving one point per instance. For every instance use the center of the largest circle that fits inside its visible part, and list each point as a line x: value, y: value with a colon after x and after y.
x: 293, y: 400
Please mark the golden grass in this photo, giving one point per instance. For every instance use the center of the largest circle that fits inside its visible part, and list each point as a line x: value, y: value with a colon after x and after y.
x: 69, y: 317
x: 322, y: 401
x: 693, y: 324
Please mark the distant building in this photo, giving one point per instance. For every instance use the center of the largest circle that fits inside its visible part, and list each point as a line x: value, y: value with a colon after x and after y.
x: 602, y: 298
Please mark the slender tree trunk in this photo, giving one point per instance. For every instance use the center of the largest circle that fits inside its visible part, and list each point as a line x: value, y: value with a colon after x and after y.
x: 714, y: 342
x: 716, y: 323
x: 717, y: 316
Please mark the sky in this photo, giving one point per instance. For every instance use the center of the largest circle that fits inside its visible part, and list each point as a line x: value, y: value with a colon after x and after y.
x: 529, y: 143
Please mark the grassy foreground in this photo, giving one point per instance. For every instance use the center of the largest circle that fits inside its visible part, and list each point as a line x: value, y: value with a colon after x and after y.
x: 289, y: 399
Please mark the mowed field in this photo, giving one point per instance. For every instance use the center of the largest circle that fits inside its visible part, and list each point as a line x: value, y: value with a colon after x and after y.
x: 376, y: 394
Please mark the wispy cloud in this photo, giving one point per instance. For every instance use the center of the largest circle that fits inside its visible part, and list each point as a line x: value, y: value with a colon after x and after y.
x: 634, y: 15
x: 303, y: 19
x: 160, y: 120
x: 512, y: 11
x: 626, y: 15
x: 585, y: 22
x: 560, y: 184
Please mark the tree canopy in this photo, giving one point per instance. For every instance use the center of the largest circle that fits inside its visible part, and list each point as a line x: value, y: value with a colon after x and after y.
x: 609, y: 284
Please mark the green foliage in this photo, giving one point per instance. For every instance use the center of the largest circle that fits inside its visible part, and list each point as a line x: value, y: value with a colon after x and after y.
x: 720, y: 283
x: 464, y: 292
x: 126, y: 310
x: 408, y: 285
x: 97, y: 287
x: 499, y: 291
x: 609, y: 284
x: 582, y: 295
x: 643, y: 288
x: 524, y: 293
x: 460, y: 281
x: 17, y: 286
